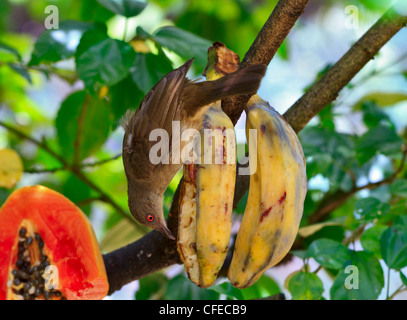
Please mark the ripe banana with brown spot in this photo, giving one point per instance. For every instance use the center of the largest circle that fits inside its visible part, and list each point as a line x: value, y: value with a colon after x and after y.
x: 206, y: 200
x: 276, y: 195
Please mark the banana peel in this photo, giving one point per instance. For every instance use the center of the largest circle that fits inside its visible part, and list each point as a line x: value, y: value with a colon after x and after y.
x: 206, y: 200
x: 276, y: 195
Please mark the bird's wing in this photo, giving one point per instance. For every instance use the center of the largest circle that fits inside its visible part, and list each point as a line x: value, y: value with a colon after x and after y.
x: 157, y: 111
x: 160, y: 106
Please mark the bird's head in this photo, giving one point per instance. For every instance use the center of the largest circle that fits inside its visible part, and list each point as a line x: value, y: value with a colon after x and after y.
x: 146, y: 208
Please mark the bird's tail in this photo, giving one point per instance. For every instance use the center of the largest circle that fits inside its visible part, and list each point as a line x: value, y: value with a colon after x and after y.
x: 244, y: 81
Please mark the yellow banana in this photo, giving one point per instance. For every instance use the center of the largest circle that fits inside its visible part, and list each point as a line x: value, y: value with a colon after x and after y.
x: 276, y: 195
x: 186, y: 239
x: 206, y: 200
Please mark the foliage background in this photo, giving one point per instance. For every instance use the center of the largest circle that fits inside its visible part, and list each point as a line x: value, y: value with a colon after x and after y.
x: 68, y: 88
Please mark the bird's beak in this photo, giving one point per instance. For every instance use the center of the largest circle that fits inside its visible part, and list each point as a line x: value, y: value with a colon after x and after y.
x: 166, y: 232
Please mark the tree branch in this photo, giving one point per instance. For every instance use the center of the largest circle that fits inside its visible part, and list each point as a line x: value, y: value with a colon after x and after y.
x: 82, y: 165
x: 265, y: 46
x: 127, y: 264
x: 262, y: 50
x: 68, y: 75
x: 123, y: 265
x: 153, y: 251
x: 163, y: 253
x: 331, y: 83
x: 40, y: 144
x: 76, y: 170
x: 335, y: 200
x: 147, y: 255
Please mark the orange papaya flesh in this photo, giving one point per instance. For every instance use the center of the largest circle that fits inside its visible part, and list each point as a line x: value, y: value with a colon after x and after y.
x: 47, y: 243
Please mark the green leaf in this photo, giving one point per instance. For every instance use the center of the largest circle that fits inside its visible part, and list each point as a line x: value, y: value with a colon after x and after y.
x: 403, y: 278
x: 148, y: 69
x: 4, y: 194
x: 6, y: 48
x: 370, y: 240
x: 373, y: 5
x: 120, y: 235
x: 181, y: 288
x: 380, y: 139
x: 318, y: 163
x: 321, y: 145
x: 184, y: 43
x: 151, y: 287
x: 228, y: 290
x: 76, y: 191
x: 123, y: 96
x: 335, y: 232
x: 326, y: 117
x: 371, y: 208
x: 83, y: 124
x: 264, y: 287
x: 319, y: 140
x: 302, y: 254
x: 309, y: 230
x: 399, y: 187
x: 361, y: 278
x: 283, y: 50
x: 89, y: 39
x: 383, y: 99
x: 91, y: 10
x: 393, y: 244
x: 142, y: 34
x: 241, y: 206
x: 21, y: 70
x: 126, y: 8
x: 400, y: 220
x: 373, y: 116
x: 103, y: 61
x: 305, y: 286
x: 328, y: 253
x: 58, y: 44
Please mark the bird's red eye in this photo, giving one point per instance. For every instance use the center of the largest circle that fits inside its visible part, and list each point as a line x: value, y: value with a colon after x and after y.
x: 150, y: 218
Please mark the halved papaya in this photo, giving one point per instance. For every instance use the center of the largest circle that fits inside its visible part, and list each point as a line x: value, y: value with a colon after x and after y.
x: 48, y: 249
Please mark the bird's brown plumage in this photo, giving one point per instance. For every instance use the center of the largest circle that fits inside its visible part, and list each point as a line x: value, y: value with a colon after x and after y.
x: 173, y: 98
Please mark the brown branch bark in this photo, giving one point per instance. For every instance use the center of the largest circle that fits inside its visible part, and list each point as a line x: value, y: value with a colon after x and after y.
x: 136, y: 260
x: 163, y: 252
x: 335, y: 200
x: 265, y: 46
x: 82, y: 165
x: 75, y: 169
x: 153, y: 252
x: 328, y: 87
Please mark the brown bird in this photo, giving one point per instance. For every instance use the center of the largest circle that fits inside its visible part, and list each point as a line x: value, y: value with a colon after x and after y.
x: 173, y: 98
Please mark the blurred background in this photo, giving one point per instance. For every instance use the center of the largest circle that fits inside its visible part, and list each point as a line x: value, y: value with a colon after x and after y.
x: 40, y: 69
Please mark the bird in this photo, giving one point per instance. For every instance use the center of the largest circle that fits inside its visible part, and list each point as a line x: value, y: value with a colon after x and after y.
x: 173, y: 98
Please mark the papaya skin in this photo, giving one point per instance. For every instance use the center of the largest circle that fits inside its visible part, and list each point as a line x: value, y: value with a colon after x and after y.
x: 69, y: 241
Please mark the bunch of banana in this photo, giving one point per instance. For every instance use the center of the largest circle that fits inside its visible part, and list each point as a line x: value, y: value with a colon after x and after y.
x: 206, y: 200
x: 278, y: 185
x: 276, y: 195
